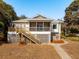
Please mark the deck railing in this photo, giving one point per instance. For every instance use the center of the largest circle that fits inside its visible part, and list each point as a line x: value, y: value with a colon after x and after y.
x: 11, y: 29
x: 39, y: 28
x: 28, y: 34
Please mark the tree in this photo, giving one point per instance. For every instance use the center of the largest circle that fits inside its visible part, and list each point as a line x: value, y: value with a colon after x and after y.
x: 71, y: 18
x: 22, y: 17
x: 7, y: 15
x: 9, y: 10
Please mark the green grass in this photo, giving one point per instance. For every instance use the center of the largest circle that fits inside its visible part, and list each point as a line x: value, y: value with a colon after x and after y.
x: 75, y: 38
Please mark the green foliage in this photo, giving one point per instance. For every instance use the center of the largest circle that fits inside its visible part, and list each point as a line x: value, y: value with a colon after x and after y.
x: 7, y: 14
x: 8, y: 10
x: 72, y: 20
x: 74, y: 30
x: 22, y: 17
x: 1, y: 24
x: 72, y: 38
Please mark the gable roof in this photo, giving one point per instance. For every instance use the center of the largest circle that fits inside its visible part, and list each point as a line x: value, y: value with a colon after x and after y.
x: 36, y: 18
x: 39, y: 17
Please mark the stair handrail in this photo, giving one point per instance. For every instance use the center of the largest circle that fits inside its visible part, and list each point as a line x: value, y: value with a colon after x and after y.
x: 21, y: 30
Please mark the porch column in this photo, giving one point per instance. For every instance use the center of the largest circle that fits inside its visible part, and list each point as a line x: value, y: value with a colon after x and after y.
x: 50, y: 26
x: 36, y: 26
x: 43, y: 26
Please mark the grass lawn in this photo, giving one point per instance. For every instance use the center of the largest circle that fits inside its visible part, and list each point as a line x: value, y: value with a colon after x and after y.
x: 72, y: 48
x: 15, y: 51
x: 72, y: 38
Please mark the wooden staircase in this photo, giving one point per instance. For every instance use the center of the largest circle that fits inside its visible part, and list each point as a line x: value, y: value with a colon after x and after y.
x: 28, y: 35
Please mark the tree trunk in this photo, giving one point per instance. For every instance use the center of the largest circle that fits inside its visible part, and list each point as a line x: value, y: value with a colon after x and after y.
x: 5, y: 32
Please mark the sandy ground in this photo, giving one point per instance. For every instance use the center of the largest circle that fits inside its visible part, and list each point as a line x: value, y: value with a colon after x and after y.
x: 14, y: 51
x: 72, y: 49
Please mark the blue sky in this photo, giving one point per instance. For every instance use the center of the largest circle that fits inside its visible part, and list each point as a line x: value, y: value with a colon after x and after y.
x: 50, y: 8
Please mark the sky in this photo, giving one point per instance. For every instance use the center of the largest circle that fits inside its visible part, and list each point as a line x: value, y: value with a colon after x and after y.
x: 50, y: 8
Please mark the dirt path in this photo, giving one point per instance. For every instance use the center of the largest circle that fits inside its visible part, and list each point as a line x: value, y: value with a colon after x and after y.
x: 62, y: 53
x: 72, y: 48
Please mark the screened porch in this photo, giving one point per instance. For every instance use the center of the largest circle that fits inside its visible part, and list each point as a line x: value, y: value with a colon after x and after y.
x: 39, y: 26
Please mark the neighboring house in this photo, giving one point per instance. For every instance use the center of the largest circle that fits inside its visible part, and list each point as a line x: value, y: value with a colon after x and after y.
x: 43, y: 29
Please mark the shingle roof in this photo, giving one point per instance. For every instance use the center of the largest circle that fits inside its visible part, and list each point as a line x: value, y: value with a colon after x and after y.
x: 21, y: 20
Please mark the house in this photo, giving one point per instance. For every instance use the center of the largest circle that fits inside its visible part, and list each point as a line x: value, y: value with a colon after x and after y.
x: 42, y: 28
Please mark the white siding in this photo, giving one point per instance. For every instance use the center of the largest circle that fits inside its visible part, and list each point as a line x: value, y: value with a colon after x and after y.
x: 27, y: 26
x: 22, y: 25
x: 45, y: 37
x: 58, y: 28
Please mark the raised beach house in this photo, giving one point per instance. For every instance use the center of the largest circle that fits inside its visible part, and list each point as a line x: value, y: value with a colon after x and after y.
x: 44, y: 29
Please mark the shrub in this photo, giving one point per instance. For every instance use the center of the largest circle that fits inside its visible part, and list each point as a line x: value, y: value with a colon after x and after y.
x: 74, y: 30
x: 58, y: 41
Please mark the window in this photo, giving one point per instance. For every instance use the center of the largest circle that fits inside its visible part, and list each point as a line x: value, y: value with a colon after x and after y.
x: 54, y: 26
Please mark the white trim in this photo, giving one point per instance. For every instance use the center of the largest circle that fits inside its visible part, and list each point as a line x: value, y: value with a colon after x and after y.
x: 49, y: 38
x: 12, y: 32
x: 33, y: 32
